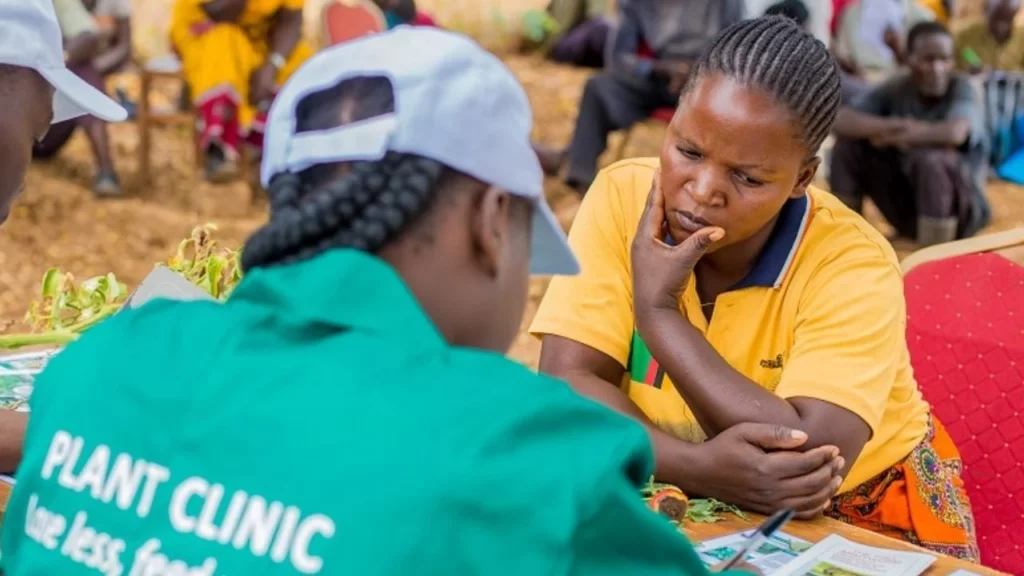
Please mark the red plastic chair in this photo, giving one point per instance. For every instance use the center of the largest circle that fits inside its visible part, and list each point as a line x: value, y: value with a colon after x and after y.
x: 345, y: 20
x: 965, y: 330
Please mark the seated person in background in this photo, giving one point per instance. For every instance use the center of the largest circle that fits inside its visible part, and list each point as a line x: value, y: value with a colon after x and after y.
x: 871, y: 35
x: 994, y: 43
x: 913, y: 145
x: 114, y: 20
x: 582, y: 28
x: 499, y: 471
x: 735, y: 292
x: 235, y: 54
x: 634, y: 85
x: 94, y: 51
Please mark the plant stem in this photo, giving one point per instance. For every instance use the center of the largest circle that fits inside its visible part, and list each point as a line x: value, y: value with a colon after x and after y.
x: 13, y: 341
x: 56, y: 337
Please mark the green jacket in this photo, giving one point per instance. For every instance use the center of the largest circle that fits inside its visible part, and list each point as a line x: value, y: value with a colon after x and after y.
x: 317, y: 423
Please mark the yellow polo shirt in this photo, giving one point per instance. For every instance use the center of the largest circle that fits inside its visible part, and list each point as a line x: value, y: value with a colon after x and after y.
x: 821, y: 315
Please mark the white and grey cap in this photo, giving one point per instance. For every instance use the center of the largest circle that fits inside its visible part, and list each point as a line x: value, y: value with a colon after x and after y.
x: 454, y: 103
x: 30, y: 37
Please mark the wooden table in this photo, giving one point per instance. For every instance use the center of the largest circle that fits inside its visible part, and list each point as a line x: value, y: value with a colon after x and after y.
x: 816, y: 530
x: 813, y: 531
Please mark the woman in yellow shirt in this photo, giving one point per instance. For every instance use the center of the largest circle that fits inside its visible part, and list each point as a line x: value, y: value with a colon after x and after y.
x: 730, y: 290
x: 235, y: 54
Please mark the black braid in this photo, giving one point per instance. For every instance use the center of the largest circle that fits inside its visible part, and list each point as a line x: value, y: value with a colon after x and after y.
x: 775, y: 54
x: 364, y: 209
x: 360, y: 205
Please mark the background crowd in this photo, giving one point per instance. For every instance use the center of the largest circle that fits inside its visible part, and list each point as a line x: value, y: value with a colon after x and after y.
x: 872, y: 49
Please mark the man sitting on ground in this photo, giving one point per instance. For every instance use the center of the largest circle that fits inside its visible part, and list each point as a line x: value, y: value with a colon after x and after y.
x: 912, y: 145
x: 97, y: 37
x: 579, y: 35
x: 650, y: 54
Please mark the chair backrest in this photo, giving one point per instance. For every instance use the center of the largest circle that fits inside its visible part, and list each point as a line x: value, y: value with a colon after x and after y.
x: 345, y: 20
x: 965, y: 330
x: 1004, y: 103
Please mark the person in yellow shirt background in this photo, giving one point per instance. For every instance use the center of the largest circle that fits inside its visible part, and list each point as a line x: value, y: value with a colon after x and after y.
x: 992, y: 43
x: 235, y: 54
x: 942, y: 9
x: 731, y: 291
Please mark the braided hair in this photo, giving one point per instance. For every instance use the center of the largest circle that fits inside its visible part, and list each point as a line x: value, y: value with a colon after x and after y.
x: 776, y: 55
x: 359, y: 205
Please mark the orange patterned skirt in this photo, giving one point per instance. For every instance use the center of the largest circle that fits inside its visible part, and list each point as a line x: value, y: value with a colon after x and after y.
x: 920, y: 500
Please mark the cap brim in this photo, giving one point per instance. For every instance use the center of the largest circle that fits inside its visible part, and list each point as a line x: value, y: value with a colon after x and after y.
x: 75, y: 97
x: 550, y: 254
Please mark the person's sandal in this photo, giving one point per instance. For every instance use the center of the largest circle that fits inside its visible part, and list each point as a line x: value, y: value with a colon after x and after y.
x: 220, y: 167
x: 107, y: 186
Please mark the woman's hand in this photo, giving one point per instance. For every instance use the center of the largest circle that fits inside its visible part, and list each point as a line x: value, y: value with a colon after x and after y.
x: 757, y: 467
x: 660, y: 271
x: 262, y: 85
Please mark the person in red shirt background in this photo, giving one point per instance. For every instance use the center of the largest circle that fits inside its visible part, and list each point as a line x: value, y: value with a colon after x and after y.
x: 837, y: 12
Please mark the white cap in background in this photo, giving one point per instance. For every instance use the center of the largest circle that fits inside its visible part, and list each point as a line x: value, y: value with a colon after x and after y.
x: 31, y: 38
x: 455, y: 103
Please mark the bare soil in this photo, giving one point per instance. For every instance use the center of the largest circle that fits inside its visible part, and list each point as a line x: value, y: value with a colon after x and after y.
x: 58, y: 222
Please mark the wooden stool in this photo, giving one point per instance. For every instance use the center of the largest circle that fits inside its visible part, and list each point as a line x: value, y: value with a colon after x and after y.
x: 168, y: 68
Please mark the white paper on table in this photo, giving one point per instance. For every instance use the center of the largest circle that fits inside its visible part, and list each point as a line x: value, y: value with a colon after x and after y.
x: 17, y: 377
x: 837, y: 556
x: 163, y: 282
x: 779, y: 550
x: 963, y: 573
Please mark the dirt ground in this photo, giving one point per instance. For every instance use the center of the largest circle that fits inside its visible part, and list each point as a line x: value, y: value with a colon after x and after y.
x: 59, y: 223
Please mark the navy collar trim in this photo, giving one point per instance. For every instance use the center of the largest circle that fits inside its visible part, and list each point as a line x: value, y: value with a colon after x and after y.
x: 780, y: 251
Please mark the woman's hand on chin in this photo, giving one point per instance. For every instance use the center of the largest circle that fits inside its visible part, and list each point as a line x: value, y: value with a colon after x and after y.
x: 660, y: 271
